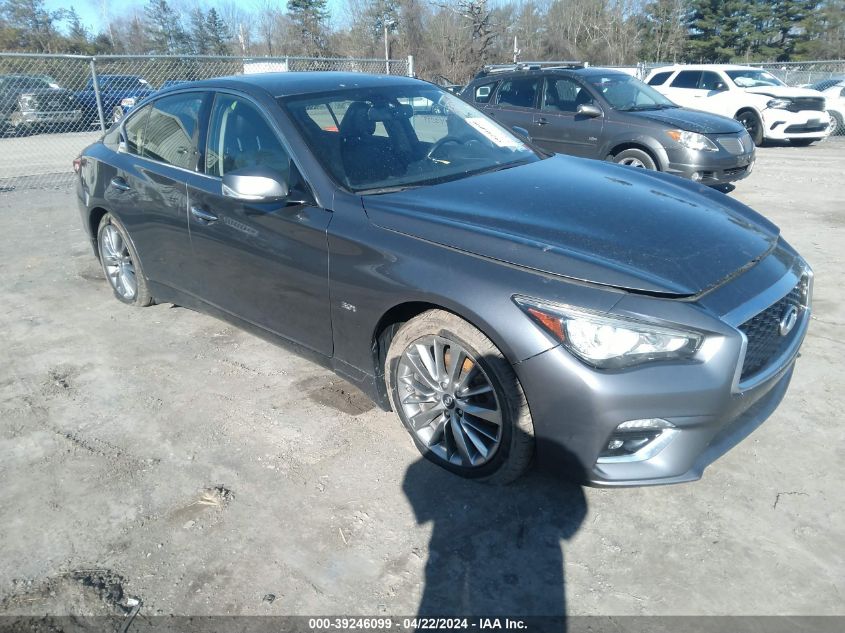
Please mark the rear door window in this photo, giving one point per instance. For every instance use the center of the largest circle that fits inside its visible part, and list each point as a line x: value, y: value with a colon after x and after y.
x: 687, y: 79
x: 171, y: 135
x: 520, y: 92
x: 135, y: 130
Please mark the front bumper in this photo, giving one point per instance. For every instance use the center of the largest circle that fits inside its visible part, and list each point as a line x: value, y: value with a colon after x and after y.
x: 577, y: 408
x: 710, y: 168
x: 785, y: 125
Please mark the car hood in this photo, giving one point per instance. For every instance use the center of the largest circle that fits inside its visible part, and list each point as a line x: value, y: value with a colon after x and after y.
x: 588, y: 220
x: 691, y: 120
x: 784, y: 91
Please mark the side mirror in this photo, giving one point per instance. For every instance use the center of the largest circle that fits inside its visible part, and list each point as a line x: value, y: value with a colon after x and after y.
x: 256, y: 184
x: 590, y: 110
x: 720, y: 87
x: 521, y: 131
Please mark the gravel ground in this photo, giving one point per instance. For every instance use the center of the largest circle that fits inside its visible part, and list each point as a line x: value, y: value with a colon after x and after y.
x: 164, y: 455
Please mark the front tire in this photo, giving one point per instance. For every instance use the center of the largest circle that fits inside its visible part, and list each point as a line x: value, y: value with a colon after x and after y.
x: 120, y: 263
x: 836, y: 123
x: 635, y: 158
x: 753, y: 125
x: 459, y: 398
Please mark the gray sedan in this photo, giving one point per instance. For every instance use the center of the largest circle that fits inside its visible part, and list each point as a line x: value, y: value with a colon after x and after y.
x: 607, y: 114
x: 625, y: 326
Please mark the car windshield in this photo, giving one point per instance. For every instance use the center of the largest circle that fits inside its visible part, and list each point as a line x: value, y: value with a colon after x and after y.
x: 753, y: 78
x: 384, y: 139
x: 627, y: 93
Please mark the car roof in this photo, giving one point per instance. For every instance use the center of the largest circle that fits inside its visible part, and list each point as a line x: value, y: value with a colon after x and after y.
x: 703, y: 67
x: 282, y: 84
x: 586, y: 71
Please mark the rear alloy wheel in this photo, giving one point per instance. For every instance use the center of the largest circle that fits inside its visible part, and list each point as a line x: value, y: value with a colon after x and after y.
x: 120, y: 263
x: 635, y: 158
x: 459, y: 398
x: 752, y: 124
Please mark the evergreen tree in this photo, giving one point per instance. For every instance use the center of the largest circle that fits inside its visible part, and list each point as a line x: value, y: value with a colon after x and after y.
x: 309, y: 19
x: 218, y: 33
x: 199, y: 32
x: 163, y: 28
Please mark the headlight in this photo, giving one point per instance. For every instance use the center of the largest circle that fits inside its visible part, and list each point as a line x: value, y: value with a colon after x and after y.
x: 25, y: 102
x: 609, y: 341
x: 779, y: 104
x: 691, y: 140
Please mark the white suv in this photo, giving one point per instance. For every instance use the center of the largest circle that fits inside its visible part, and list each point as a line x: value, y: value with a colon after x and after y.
x: 767, y: 107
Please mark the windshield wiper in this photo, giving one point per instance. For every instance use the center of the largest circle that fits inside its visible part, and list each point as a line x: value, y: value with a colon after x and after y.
x: 393, y: 189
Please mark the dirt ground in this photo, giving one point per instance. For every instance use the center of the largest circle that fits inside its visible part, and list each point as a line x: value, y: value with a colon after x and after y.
x: 165, y: 456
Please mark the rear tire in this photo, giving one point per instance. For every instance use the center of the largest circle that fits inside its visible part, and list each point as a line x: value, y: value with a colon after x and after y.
x: 459, y: 398
x: 120, y: 263
x: 635, y: 158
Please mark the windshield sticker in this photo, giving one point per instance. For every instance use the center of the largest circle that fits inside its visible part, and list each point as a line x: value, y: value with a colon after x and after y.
x: 494, y: 133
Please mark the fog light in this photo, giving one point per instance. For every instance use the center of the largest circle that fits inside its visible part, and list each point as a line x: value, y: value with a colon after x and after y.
x: 638, y: 440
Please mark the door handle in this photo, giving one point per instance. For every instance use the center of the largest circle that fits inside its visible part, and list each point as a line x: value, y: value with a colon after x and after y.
x: 203, y: 216
x: 542, y: 121
x: 120, y: 184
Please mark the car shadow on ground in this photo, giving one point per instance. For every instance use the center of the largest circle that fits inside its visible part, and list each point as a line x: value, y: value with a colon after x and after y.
x: 494, y: 551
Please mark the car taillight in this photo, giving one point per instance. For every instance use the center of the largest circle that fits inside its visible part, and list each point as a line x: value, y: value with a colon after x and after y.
x: 78, y: 163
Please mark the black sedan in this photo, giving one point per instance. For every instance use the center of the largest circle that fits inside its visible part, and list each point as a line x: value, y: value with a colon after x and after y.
x: 609, y: 115
x: 623, y: 325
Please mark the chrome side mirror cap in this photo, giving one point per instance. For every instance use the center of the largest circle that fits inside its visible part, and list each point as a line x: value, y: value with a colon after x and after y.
x: 255, y: 184
x: 590, y: 110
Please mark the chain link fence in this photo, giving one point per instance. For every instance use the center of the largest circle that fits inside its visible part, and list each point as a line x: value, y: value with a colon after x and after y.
x: 52, y: 106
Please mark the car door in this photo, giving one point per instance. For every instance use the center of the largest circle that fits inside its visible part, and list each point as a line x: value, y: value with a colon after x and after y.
x: 514, y: 101
x: 558, y: 127
x: 263, y: 262
x: 684, y: 90
x: 148, y: 190
x: 714, y: 94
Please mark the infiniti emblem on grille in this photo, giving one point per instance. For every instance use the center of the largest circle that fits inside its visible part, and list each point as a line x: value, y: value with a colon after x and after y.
x: 788, y: 320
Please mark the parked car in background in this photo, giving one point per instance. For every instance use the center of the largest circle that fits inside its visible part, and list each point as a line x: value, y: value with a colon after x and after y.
x: 610, y: 115
x: 128, y: 103
x: 767, y: 107
x: 834, y: 94
x: 113, y: 90
x: 35, y: 102
x: 624, y: 326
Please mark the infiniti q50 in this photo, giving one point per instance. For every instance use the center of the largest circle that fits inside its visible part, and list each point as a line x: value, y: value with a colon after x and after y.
x: 509, y: 305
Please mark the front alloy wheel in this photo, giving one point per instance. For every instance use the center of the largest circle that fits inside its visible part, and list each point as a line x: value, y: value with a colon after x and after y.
x: 459, y: 398
x: 449, y: 401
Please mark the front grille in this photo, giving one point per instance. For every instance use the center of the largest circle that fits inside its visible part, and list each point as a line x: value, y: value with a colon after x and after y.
x: 731, y: 144
x: 735, y: 170
x: 53, y: 103
x: 765, y: 342
x: 807, y: 103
